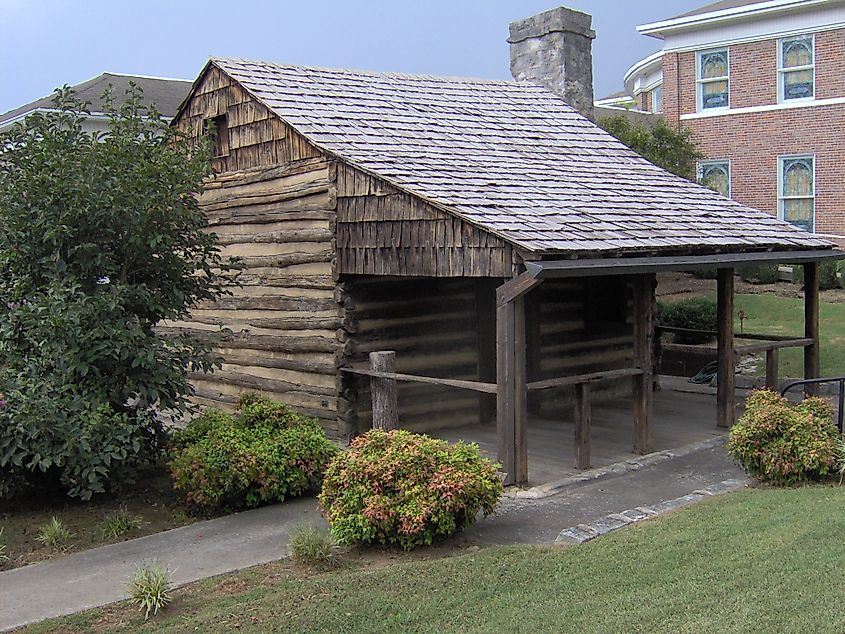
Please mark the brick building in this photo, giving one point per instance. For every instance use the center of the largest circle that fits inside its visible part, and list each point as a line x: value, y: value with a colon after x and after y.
x: 761, y: 83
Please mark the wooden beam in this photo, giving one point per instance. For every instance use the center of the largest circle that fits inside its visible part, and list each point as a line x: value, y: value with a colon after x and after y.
x: 516, y: 287
x: 582, y: 426
x: 590, y: 377
x: 726, y: 378
x: 384, y: 391
x: 476, y: 386
x: 533, y: 321
x: 773, y: 345
x: 505, y: 390
x: 772, y: 369
x: 643, y: 288
x: 812, y: 366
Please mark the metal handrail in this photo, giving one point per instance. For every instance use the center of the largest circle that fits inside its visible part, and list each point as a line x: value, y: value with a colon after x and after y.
x: 829, y: 379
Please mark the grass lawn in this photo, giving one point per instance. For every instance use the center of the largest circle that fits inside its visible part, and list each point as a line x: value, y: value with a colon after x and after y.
x: 771, y: 314
x: 763, y: 560
x: 152, y: 501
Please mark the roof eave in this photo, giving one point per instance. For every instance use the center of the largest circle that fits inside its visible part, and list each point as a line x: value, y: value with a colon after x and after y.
x: 661, y: 28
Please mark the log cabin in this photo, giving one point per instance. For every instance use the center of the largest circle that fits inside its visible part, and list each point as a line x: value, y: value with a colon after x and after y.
x: 495, y: 238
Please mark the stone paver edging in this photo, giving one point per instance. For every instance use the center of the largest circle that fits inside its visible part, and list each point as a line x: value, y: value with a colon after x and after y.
x: 585, y: 532
x: 634, y: 464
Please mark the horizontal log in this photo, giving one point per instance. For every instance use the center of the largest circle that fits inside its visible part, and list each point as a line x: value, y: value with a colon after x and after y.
x: 269, y: 193
x: 259, y: 174
x: 272, y: 278
x: 271, y: 303
x: 283, y: 323
x: 310, y: 208
x: 244, y: 357
x: 297, y: 235
x: 286, y: 259
x: 267, y: 342
x: 737, y: 335
x: 591, y: 377
x: 477, y: 386
x: 241, y: 379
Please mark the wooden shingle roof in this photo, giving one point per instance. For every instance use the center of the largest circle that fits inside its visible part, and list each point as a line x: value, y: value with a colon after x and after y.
x: 511, y: 158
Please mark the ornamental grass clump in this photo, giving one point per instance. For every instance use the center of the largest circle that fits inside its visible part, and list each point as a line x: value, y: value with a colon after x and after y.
x: 408, y: 489
x: 783, y: 443
x: 150, y: 588
x: 262, y: 454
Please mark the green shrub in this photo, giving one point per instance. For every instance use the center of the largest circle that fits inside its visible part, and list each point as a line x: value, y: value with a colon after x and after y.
x: 828, y: 274
x: 402, y: 488
x: 760, y: 273
x: 313, y: 545
x: 696, y: 313
x: 262, y: 454
x: 53, y: 533
x: 783, y: 443
x: 150, y: 588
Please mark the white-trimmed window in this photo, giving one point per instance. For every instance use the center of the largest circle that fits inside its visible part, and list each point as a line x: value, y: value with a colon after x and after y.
x: 716, y: 175
x: 713, y: 79
x: 657, y: 99
x: 797, y: 190
x: 796, y: 68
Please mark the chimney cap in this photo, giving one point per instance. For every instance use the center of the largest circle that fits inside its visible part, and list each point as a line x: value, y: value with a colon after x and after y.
x: 561, y: 19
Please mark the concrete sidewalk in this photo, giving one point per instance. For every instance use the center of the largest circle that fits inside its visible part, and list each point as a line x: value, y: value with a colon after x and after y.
x: 96, y: 577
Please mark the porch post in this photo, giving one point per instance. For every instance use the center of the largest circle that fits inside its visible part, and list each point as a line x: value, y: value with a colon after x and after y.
x: 812, y: 366
x: 512, y: 386
x: 643, y: 357
x: 726, y: 379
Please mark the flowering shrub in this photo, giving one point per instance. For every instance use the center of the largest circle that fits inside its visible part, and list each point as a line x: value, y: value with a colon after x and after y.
x: 262, y: 454
x: 403, y: 488
x: 783, y: 443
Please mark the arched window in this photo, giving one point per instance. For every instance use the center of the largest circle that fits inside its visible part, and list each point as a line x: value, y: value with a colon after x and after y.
x: 797, y: 200
x: 796, y: 68
x: 716, y: 175
x: 713, y: 81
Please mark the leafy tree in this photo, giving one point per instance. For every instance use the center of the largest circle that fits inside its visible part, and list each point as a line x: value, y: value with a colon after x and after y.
x: 673, y: 150
x: 101, y: 238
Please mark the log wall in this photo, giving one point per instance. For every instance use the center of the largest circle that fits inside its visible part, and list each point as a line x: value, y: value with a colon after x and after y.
x: 272, y: 204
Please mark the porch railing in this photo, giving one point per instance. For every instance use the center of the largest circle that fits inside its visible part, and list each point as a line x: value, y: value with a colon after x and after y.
x: 384, y: 393
x: 813, y: 382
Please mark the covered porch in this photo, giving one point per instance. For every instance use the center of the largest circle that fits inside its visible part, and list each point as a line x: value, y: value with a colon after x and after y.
x: 515, y: 445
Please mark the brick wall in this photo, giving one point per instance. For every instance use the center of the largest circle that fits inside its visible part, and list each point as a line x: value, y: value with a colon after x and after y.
x: 753, y: 141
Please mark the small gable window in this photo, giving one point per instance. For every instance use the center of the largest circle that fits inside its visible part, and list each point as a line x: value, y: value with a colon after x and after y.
x: 218, y: 129
x: 797, y: 189
x: 796, y: 68
x: 713, y: 80
x: 716, y: 175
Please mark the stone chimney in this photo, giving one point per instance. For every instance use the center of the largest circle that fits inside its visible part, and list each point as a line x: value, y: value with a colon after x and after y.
x: 555, y: 49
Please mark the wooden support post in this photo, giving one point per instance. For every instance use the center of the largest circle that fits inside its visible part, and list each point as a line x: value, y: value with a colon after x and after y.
x: 812, y: 369
x: 505, y: 389
x: 643, y: 350
x: 520, y: 394
x: 485, y: 323
x: 772, y: 369
x: 582, y: 426
x: 384, y: 391
x: 726, y: 378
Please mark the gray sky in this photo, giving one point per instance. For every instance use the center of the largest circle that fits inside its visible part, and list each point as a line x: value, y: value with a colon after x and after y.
x: 47, y: 43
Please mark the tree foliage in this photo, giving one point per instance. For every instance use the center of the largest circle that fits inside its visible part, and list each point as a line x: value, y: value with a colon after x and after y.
x: 673, y: 150
x: 101, y: 238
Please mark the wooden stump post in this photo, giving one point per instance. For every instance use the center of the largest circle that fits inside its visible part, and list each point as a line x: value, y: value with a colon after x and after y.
x: 384, y: 391
x: 726, y: 378
x: 582, y: 426
x: 812, y: 367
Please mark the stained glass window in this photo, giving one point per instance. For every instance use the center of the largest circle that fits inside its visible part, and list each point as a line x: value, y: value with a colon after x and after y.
x: 797, y: 200
x: 796, y: 73
x: 713, y: 80
x: 716, y: 175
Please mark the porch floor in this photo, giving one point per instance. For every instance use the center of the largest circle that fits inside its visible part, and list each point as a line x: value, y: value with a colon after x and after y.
x: 680, y: 418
